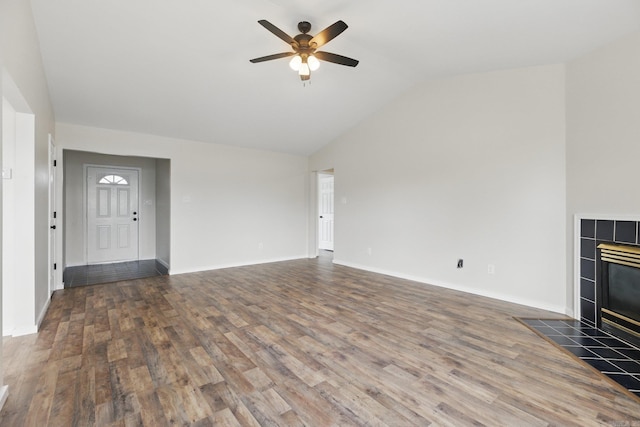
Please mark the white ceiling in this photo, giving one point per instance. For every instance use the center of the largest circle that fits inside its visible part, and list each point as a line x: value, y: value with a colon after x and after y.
x: 181, y: 68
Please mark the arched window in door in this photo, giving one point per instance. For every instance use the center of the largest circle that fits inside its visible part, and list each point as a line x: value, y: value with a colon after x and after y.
x: 113, y: 180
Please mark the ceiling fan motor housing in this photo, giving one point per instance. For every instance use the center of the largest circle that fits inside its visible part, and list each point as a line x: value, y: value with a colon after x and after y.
x: 302, y: 44
x: 304, y: 27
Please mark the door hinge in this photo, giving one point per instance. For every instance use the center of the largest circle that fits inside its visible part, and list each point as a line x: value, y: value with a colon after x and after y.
x: 55, y: 163
x: 55, y: 266
x: 54, y: 214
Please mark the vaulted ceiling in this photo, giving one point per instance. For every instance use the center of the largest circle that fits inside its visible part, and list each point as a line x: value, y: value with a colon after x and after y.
x: 181, y: 68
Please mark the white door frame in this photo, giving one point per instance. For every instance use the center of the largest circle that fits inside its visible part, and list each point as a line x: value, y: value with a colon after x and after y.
x: 312, y: 213
x: 321, y: 177
x: 85, y: 217
x: 314, y: 209
x: 52, y: 214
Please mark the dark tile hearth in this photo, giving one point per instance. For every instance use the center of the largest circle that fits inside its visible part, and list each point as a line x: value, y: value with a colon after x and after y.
x: 105, y: 273
x: 612, y: 356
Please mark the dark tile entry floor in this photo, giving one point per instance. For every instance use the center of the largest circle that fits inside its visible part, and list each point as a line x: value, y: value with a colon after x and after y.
x: 104, y: 273
x: 610, y: 355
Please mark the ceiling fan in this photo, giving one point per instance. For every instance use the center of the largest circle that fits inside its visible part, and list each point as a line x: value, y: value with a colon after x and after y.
x: 305, y: 54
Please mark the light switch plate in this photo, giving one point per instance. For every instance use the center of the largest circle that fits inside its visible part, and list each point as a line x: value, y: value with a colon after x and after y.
x: 6, y: 173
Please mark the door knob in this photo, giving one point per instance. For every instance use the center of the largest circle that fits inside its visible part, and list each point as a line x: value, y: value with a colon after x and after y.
x: 135, y: 213
x: 53, y: 227
x: 321, y: 216
x: 135, y: 219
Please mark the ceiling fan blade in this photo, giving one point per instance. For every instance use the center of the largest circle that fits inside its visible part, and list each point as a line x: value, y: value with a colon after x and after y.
x: 336, y: 59
x: 328, y: 34
x: 277, y: 31
x: 271, y: 57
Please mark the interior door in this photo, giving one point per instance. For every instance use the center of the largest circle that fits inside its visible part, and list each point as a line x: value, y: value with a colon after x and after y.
x: 325, y: 204
x: 112, y: 214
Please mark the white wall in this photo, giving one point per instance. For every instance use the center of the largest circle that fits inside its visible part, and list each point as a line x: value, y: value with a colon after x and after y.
x: 229, y: 206
x: 469, y: 167
x: 74, y: 218
x: 8, y: 276
x: 18, y: 233
x: 20, y: 62
x: 4, y: 390
x: 603, y: 134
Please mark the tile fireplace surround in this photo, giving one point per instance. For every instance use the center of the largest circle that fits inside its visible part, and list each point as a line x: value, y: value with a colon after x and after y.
x: 592, y: 233
x: 623, y: 368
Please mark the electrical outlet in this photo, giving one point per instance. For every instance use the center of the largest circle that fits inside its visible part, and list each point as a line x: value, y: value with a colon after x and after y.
x: 369, y: 251
x: 491, y: 269
x: 460, y: 263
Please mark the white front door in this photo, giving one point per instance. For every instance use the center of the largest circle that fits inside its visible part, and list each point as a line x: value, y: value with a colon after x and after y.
x: 325, y: 212
x: 112, y: 214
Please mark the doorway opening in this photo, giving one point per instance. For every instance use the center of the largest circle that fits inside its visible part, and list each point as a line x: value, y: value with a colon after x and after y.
x: 326, y: 213
x: 116, y: 217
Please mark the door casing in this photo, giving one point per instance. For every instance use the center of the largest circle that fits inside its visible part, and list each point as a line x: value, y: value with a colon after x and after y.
x: 52, y: 216
x: 325, y: 211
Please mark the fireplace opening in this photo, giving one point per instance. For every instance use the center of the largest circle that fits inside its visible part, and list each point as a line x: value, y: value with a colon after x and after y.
x: 619, y: 290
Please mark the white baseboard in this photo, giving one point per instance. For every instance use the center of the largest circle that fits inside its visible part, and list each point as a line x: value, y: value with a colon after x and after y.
x: 23, y: 330
x: 73, y: 265
x: 4, y: 393
x: 43, y: 312
x: 232, y: 265
x: 163, y: 262
x: 494, y: 295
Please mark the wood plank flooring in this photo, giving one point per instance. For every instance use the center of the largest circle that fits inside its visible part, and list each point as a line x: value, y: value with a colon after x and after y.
x: 296, y: 343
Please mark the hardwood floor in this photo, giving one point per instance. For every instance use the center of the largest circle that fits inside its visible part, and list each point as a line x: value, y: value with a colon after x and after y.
x: 296, y: 343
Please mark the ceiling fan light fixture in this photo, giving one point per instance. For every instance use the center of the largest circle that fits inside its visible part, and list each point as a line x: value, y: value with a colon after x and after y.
x: 295, y: 63
x: 304, y: 69
x: 313, y: 62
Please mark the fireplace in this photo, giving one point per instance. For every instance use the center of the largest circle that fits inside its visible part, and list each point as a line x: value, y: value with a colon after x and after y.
x: 619, y: 289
